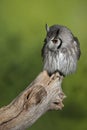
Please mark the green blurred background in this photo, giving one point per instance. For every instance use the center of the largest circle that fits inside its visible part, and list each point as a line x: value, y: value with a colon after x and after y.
x: 22, y: 30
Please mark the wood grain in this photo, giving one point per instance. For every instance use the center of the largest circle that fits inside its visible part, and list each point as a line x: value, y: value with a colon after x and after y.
x: 43, y: 94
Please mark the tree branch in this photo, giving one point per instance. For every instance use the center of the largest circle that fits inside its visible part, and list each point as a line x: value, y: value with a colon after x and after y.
x: 43, y: 94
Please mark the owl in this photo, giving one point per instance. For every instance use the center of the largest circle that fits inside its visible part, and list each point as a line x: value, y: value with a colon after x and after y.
x: 61, y: 50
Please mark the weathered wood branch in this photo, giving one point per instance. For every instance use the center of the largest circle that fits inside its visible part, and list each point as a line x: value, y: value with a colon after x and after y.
x: 43, y: 94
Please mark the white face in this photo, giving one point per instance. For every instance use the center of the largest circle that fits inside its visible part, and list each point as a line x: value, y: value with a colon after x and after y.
x: 54, y: 44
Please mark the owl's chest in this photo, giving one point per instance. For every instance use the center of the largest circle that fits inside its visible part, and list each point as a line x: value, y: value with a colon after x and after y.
x: 56, y: 58
x: 64, y: 61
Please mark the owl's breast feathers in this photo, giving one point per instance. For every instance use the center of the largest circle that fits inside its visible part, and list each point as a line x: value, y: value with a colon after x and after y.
x: 63, y: 60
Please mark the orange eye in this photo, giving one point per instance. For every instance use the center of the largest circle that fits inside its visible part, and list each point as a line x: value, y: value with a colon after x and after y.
x: 54, y: 41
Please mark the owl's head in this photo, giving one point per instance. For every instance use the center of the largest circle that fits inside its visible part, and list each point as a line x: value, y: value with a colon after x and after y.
x: 58, y: 36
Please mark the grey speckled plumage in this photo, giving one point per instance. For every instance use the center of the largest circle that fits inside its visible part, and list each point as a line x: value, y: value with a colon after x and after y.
x: 60, y: 51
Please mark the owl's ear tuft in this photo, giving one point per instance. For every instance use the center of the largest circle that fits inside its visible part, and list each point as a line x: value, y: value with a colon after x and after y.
x: 47, y: 28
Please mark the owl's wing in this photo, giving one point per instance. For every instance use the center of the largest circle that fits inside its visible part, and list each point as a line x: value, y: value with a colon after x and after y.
x: 78, y: 47
x: 43, y: 49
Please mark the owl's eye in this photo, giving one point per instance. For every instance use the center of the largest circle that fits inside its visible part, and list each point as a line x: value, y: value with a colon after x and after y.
x: 54, y: 41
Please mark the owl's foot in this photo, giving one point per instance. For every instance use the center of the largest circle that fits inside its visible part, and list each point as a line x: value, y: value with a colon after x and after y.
x: 61, y: 74
x: 56, y: 71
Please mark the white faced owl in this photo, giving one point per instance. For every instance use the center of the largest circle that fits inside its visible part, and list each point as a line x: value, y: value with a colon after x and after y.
x: 61, y: 50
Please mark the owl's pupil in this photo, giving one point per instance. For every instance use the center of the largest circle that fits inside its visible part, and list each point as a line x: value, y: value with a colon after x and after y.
x: 54, y: 40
